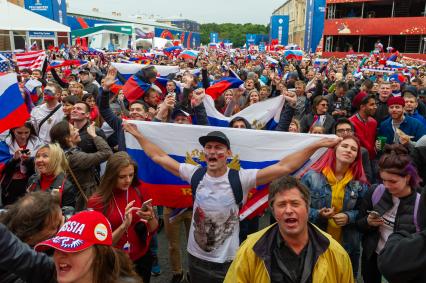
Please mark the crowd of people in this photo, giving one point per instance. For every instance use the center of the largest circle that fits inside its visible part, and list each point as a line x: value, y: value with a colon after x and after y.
x: 74, y: 208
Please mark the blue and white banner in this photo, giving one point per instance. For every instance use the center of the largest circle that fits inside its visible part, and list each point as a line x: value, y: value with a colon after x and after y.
x: 250, y: 149
x: 260, y: 115
x: 127, y: 70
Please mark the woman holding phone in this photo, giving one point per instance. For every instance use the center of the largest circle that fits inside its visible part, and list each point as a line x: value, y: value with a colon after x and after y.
x: 17, y: 153
x: 131, y: 215
x: 388, y: 207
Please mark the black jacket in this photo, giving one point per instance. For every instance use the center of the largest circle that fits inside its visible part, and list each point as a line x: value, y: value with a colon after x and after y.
x: 418, y: 154
x: 308, y: 119
x: 20, y: 263
x: 68, y: 191
x: 404, y: 220
x: 382, y: 112
x: 87, y: 144
x: 403, y: 258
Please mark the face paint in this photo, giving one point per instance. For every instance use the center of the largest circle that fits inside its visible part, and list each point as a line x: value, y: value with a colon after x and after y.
x: 48, y: 95
x: 218, y: 153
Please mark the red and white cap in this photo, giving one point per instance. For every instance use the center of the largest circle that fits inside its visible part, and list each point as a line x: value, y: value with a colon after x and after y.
x: 80, y: 232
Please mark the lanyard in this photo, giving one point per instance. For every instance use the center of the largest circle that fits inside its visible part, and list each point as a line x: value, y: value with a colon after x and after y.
x: 126, y: 246
x: 118, y: 208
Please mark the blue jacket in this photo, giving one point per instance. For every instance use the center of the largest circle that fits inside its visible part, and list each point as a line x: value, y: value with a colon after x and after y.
x: 409, y: 126
x: 321, y: 197
x: 418, y: 117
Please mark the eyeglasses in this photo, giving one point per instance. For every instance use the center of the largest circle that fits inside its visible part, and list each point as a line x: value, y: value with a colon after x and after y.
x: 324, y: 104
x: 341, y: 131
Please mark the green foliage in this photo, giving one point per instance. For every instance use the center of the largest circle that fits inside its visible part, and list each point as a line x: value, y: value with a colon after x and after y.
x: 234, y: 32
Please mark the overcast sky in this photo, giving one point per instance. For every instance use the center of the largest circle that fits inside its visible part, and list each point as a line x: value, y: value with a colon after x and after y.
x: 202, y: 11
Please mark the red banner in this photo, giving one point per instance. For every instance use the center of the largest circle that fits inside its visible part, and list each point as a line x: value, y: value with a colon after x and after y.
x: 376, y: 26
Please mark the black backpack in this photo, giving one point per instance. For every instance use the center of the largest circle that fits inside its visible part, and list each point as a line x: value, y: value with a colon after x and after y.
x: 234, y: 180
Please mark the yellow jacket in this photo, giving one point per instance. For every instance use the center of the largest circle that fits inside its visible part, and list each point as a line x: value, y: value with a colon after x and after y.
x: 332, y: 266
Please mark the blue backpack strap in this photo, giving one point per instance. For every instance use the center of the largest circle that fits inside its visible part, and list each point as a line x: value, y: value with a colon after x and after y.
x: 416, y: 210
x: 196, y: 179
x: 237, y: 188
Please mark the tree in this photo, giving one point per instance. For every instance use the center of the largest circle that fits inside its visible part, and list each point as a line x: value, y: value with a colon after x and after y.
x: 236, y: 33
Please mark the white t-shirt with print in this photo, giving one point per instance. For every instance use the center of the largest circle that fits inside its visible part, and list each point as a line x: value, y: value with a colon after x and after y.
x: 214, y: 232
x: 389, y: 224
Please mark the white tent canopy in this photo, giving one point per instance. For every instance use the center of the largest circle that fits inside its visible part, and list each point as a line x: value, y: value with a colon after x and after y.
x: 14, y: 17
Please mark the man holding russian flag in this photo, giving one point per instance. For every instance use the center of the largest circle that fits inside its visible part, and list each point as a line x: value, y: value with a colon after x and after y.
x: 214, y: 233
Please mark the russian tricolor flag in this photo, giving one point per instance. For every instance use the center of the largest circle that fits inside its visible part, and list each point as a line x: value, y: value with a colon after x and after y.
x: 250, y: 148
x: 189, y: 54
x: 222, y: 85
x: 135, y: 88
x: 293, y: 54
x: 13, y: 110
x: 65, y: 63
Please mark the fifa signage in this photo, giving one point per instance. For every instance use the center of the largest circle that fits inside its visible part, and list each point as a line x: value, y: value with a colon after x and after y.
x: 279, y: 29
x: 52, y: 9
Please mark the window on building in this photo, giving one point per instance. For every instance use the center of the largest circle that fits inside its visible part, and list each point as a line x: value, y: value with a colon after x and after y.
x: 62, y: 38
x: 19, y: 38
x: 4, y: 40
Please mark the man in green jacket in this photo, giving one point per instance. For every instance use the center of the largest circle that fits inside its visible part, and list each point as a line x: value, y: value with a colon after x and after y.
x: 292, y: 250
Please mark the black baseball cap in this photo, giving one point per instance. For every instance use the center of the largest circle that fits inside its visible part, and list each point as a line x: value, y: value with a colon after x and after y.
x: 215, y: 136
x: 84, y: 71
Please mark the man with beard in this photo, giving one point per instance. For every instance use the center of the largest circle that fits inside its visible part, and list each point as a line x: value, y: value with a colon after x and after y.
x: 364, y: 123
x: 46, y: 115
x: 214, y: 233
x: 399, y: 128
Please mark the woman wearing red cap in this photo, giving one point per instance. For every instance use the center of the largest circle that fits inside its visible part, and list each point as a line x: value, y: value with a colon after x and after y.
x: 120, y: 200
x: 84, y: 252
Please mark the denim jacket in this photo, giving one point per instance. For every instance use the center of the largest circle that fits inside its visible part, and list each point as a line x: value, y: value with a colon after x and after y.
x: 321, y: 197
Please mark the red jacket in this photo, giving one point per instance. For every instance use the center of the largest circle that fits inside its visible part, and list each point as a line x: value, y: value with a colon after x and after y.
x: 366, y: 133
x: 138, y: 248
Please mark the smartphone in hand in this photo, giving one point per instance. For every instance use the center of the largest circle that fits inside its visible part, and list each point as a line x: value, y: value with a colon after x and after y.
x: 146, y: 204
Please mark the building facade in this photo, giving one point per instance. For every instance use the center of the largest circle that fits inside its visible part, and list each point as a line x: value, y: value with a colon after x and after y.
x: 296, y: 10
x: 181, y: 23
x: 357, y: 25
